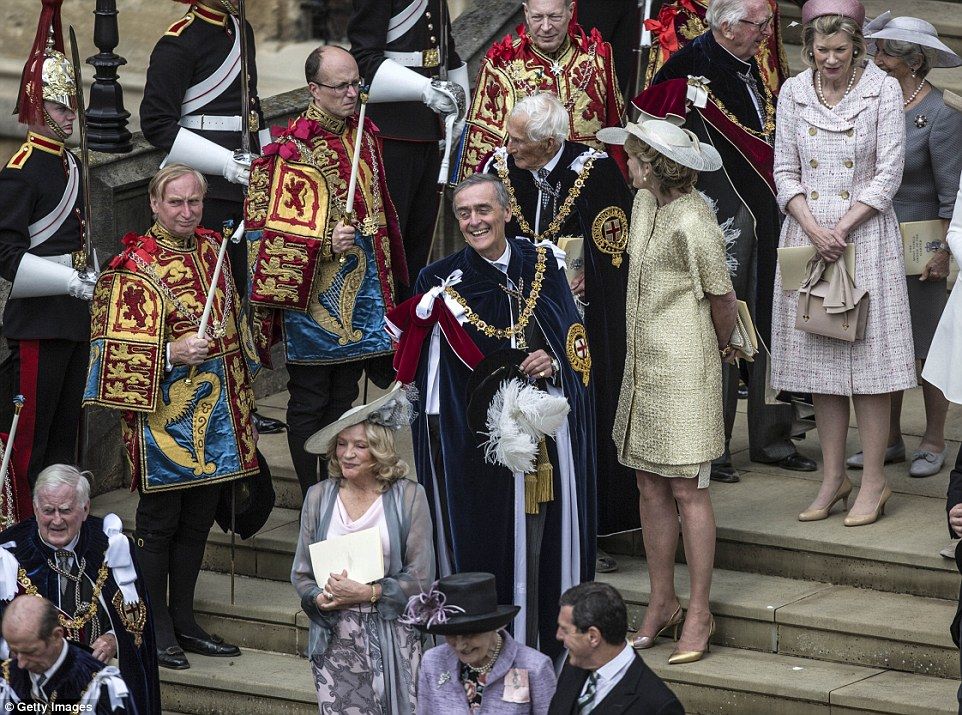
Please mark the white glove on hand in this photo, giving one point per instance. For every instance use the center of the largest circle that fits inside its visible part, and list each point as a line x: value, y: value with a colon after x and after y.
x: 81, y: 285
x: 438, y: 101
x: 237, y: 173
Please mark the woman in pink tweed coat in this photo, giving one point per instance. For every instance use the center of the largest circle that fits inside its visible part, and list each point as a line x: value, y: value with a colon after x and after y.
x: 839, y: 152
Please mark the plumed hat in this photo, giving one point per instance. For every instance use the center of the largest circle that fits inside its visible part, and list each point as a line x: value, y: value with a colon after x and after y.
x: 48, y: 74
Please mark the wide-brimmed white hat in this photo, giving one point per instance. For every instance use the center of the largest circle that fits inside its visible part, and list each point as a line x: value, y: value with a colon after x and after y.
x: 912, y: 29
x: 393, y: 410
x: 679, y: 145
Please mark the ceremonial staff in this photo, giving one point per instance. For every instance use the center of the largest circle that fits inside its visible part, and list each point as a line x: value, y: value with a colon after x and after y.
x: 89, y: 267
x: 8, y: 513
x: 355, y: 161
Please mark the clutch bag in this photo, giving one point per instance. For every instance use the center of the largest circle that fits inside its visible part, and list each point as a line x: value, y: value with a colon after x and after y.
x: 793, y: 264
x: 744, y: 338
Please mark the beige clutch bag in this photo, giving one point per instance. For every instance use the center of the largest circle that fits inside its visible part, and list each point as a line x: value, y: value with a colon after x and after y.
x: 744, y: 338
x: 920, y: 239
x: 793, y: 264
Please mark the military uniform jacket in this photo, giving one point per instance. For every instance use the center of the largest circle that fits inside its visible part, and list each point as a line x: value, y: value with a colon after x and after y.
x: 582, y: 77
x: 377, y: 26
x: 79, y: 674
x: 180, y: 427
x: 331, y: 308
x: 130, y: 623
x: 192, y: 50
x: 36, y: 187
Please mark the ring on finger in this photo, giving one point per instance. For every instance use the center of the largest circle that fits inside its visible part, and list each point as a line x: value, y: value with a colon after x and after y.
x: 328, y: 595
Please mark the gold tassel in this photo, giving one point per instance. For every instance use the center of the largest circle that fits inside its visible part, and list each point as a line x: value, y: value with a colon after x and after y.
x: 530, y: 493
x: 545, y: 487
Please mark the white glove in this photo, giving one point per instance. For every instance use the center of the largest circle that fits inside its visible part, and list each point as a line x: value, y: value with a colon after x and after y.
x: 438, y: 101
x: 81, y: 285
x: 237, y: 173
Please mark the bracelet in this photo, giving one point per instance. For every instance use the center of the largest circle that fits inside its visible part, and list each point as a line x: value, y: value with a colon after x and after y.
x: 373, y: 594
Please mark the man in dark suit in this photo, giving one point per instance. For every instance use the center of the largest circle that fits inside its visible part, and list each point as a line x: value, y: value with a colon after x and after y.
x: 603, y: 675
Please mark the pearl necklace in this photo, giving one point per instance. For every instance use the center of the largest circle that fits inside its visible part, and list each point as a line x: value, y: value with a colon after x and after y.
x: 488, y: 664
x: 915, y: 94
x: 818, y: 88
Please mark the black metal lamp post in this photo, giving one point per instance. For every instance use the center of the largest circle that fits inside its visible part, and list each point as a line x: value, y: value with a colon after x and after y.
x: 106, y: 117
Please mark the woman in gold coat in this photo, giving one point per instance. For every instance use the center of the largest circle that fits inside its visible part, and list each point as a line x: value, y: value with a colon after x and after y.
x: 680, y: 315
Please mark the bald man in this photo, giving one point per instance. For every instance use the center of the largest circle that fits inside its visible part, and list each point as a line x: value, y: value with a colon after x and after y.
x: 43, y: 668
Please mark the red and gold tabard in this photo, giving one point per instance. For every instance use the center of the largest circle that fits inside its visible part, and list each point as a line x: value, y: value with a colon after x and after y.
x: 181, y: 426
x: 582, y: 76
x: 331, y: 308
x: 681, y: 21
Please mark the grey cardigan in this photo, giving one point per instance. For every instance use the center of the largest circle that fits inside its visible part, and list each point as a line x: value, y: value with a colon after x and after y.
x: 411, y: 565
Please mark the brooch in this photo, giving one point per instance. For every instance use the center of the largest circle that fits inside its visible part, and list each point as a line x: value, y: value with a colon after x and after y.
x: 921, y: 120
x: 556, y: 69
x: 443, y: 678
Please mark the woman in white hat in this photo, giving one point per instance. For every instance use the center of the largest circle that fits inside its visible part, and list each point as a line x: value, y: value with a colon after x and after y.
x: 352, y: 621
x: 907, y: 48
x: 680, y: 315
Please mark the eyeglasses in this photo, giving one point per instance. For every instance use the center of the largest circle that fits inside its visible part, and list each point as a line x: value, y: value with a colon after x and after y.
x: 760, y: 26
x: 343, y: 86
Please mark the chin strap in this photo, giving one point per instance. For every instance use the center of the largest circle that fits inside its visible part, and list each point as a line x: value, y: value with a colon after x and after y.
x: 53, y: 126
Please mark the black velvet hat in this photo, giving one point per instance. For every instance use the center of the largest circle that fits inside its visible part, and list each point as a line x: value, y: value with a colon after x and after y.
x: 487, y: 378
x: 460, y: 604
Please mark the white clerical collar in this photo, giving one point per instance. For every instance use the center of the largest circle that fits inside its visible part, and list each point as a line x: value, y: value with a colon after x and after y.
x: 71, y: 547
x: 552, y: 162
x: 739, y: 60
x: 53, y: 668
x: 502, y: 262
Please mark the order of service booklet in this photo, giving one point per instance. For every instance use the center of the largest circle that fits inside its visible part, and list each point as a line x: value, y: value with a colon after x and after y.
x: 359, y: 553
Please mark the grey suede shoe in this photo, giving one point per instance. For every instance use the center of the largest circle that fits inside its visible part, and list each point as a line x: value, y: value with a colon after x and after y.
x: 894, y: 453
x: 926, y: 463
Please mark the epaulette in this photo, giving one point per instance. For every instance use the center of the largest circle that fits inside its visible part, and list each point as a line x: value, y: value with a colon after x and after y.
x: 178, y: 26
x: 19, y: 160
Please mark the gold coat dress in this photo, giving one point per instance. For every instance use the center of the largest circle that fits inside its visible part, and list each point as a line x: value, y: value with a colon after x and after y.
x: 669, y: 417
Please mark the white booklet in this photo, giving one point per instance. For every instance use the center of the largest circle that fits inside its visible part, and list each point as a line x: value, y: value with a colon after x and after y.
x: 359, y: 553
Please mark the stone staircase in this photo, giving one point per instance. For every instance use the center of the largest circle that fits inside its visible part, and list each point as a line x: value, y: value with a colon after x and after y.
x: 812, y: 618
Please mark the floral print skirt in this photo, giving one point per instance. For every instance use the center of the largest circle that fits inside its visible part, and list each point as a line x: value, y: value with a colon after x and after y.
x: 369, y: 668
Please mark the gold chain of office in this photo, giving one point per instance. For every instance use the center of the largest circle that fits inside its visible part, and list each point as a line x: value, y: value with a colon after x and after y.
x: 557, y: 222
x: 75, y: 624
x: 529, y: 305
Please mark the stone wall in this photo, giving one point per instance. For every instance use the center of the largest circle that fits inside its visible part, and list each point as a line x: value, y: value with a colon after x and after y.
x: 119, y: 200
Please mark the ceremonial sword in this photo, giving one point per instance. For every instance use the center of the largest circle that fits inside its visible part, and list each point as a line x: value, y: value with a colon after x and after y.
x: 84, y: 157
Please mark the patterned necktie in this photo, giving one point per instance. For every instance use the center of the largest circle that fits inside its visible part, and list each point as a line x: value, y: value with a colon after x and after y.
x: 41, y: 679
x: 586, y: 701
x: 64, y: 562
x: 543, y: 187
x: 749, y: 79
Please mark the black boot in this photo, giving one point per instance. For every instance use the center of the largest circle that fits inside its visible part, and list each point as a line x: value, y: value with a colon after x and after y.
x: 308, y: 466
x: 154, y: 558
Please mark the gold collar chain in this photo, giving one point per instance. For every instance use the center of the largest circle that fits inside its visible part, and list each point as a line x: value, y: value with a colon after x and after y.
x: 767, y: 134
x: 529, y: 305
x: 501, y: 164
x: 526, y: 86
x: 77, y: 622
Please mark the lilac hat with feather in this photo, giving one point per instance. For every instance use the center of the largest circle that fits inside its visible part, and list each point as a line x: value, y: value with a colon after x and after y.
x: 851, y: 9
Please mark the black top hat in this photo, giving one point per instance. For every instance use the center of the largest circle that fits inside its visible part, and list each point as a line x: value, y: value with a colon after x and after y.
x: 487, y: 377
x: 475, y: 595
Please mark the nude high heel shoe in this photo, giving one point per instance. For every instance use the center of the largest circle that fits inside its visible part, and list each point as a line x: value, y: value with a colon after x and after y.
x: 873, y: 515
x: 681, y: 657
x: 644, y: 642
x: 841, y: 494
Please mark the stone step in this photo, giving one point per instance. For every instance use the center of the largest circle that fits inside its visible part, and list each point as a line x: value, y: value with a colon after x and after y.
x: 256, y: 682
x: 813, y: 620
x: 736, y: 681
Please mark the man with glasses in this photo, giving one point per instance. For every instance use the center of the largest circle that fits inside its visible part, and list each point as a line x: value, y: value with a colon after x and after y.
x: 552, y: 54
x: 735, y: 112
x: 191, y: 110
x: 680, y: 21
x: 323, y: 273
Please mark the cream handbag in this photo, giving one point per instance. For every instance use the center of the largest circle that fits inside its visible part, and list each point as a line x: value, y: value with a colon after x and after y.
x: 835, y: 308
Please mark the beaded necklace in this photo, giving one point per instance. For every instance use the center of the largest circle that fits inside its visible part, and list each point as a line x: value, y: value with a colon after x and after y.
x: 821, y: 97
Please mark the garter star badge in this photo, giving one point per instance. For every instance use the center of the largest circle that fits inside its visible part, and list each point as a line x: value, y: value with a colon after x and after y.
x: 576, y: 348
x: 609, y: 231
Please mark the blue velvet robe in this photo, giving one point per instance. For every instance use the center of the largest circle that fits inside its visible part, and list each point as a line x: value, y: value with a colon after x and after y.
x: 479, y: 518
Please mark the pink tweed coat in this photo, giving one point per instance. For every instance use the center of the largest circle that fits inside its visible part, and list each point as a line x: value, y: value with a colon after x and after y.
x: 836, y: 157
